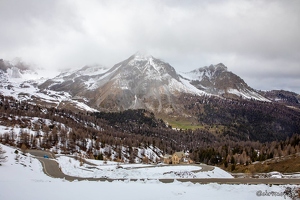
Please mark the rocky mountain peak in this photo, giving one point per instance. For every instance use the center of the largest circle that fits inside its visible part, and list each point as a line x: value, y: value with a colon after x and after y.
x: 142, y: 55
x: 216, y: 79
x: 146, y: 66
x: 209, y: 72
x: 218, y: 67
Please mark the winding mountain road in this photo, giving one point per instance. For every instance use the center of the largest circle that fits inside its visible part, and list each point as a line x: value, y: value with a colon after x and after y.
x: 51, y: 168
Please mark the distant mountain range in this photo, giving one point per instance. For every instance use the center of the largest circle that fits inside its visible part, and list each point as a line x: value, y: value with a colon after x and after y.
x: 139, y: 82
x: 143, y: 101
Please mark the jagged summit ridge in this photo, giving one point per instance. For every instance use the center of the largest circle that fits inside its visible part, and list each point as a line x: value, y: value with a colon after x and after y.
x: 216, y: 79
x: 207, y: 71
x: 212, y: 68
x: 148, y: 66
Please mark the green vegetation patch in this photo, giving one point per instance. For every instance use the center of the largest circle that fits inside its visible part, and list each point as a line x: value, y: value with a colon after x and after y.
x: 185, y: 125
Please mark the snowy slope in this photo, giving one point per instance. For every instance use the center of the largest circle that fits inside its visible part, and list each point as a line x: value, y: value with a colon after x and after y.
x: 23, y: 85
x: 27, y: 126
x: 93, y: 72
x: 20, y: 168
x: 114, y: 170
x: 25, y: 180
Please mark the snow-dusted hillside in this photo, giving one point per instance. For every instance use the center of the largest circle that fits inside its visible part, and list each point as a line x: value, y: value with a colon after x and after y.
x: 22, y: 84
x: 35, y: 138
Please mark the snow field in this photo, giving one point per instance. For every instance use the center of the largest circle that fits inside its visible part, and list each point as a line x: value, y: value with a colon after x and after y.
x: 113, y: 170
x: 24, y: 179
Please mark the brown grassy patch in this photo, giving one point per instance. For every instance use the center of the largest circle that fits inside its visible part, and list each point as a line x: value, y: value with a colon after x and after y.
x: 287, y: 164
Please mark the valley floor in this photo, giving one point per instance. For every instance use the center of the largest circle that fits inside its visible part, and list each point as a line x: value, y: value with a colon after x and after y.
x: 22, y: 177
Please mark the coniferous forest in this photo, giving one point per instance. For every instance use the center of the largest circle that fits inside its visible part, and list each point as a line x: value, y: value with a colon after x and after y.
x: 232, y: 132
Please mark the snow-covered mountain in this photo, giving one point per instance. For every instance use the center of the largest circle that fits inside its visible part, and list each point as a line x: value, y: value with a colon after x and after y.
x: 216, y: 79
x: 22, y: 84
x: 141, y: 81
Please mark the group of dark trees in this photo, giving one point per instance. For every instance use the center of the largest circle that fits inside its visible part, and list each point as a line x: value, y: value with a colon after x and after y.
x: 246, y: 152
x: 244, y: 131
x: 246, y: 120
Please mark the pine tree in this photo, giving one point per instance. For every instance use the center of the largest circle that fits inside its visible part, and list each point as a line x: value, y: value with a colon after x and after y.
x: 3, y: 158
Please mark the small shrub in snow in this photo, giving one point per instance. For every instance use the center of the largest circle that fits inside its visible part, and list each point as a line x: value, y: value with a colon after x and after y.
x: 3, y: 158
x: 293, y: 193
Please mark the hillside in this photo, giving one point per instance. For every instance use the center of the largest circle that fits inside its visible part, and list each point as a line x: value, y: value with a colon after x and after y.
x: 283, y: 97
x: 285, y: 164
x: 141, y: 109
x: 245, y: 120
x: 133, y: 135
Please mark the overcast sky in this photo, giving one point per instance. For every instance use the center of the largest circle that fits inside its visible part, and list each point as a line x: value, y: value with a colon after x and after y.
x: 257, y: 40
